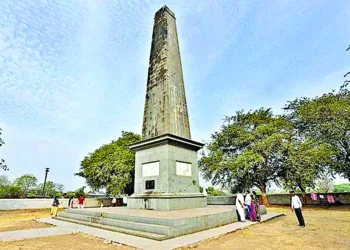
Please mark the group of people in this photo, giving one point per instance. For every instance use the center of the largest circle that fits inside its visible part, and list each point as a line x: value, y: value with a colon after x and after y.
x: 56, y: 203
x: 80, y: 201
x: 250, y: 202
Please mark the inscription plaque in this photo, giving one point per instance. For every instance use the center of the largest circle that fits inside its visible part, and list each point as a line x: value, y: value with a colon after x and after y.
x: 150, y: 169
x: 183, y: 168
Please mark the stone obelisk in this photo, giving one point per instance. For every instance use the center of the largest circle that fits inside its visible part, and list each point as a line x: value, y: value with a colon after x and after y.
x: 165, y: 107
x: 166, y: 170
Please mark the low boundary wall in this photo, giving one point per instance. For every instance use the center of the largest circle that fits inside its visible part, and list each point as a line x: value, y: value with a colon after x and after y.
x: 12, y: 204
x: 285, y: 199
x: 274, y: 199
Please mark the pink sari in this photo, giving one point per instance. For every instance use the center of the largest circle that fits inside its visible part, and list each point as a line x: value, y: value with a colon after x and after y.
x: 255, y: 211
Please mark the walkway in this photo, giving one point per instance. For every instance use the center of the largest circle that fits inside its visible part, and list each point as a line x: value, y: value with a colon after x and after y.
x: 137, y: 242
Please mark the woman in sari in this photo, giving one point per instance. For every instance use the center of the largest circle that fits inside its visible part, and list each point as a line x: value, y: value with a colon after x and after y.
x: 255, y: 208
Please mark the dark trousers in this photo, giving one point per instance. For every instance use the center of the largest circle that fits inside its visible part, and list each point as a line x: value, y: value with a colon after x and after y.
x: 300, y: 217
x: 248, y: 208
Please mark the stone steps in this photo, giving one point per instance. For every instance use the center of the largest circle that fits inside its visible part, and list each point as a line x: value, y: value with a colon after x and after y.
x: 123, y: 217
x: 119, y: 223
x: 149, y: 235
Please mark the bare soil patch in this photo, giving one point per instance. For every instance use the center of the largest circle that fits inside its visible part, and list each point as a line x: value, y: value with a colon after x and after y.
x: 22, y: 219
x: 76, y: 242
x: 326, y: 228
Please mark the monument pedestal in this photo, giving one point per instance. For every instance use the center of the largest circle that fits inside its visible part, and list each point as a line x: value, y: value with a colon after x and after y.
x: 166, y: 174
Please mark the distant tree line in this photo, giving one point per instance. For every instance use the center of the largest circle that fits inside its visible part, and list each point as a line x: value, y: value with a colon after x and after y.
x: 28, y: 186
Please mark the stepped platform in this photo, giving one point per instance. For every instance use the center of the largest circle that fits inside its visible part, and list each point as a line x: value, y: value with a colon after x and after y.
x: 151, y: 224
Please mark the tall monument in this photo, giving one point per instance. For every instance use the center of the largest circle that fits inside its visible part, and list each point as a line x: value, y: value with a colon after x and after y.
x: 166, y: 170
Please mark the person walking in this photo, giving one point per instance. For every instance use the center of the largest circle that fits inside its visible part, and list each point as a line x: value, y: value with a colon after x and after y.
x: 54, y: 207
x: 70, y: 202
x: 248, y: 202
x: 81, y: 202
x: 240, y: 206
x: 297, y: 207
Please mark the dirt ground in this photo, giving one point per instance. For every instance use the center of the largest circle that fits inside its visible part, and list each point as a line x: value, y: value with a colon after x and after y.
x: 326, y: 228
x: 65, y: 242
x: 22, y: 219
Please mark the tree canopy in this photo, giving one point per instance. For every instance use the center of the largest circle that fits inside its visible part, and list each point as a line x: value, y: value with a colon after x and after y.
x: 340, y: 188
x: 26, y: 182
x: 306, y: 161
x: 326, y: 119
x: 248, y: 151
x: 51, y: 189
x: 112, y: 166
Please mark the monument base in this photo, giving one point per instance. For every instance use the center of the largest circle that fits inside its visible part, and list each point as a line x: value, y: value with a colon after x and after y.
x: 166, y: 174
x: 156, y: 225
x: 167, y: 202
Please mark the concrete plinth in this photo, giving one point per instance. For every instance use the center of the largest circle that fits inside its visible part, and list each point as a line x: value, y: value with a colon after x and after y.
x: 166, y: 174
x: 167, y: 202
x: 157, y: 225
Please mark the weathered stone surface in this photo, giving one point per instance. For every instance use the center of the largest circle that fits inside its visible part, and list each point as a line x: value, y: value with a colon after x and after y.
x: 172, y: 191
x: 165, y: 107
x: 166, y: 170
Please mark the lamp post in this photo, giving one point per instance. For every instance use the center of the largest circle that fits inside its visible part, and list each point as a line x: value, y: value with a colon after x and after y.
x: 46, y: 171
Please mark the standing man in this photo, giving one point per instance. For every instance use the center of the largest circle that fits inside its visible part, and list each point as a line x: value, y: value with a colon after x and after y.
x: 240, y: 205
x: 125, y: 200
x: 248, y: 202
x: 297, y: 207
x: 114, y: 202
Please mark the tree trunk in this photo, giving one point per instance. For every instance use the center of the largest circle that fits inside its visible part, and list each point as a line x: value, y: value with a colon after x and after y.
x: 303, y: 195
x: 264, y: 196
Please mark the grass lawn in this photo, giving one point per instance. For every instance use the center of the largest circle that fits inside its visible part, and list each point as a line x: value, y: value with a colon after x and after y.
x: 326, y: 228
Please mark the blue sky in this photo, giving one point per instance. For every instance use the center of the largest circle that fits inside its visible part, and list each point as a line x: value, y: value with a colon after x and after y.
x: 73, y: 73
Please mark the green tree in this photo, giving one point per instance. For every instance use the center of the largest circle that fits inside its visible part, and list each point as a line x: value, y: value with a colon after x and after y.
x: 248, y: 151
x: 51, y: 189
x: 111, y: 166
x: 2, y: 161
x: 306, y: 161
x: 4, y: 186
x: 325, y: 185
x: 14, y: 191
x: 214, y: 192
x: 26, y: 182
x: 342, y: 188
x: 69, y: 194
x: 326, y: 119
x: 4, y: 180
x: 80, y: 192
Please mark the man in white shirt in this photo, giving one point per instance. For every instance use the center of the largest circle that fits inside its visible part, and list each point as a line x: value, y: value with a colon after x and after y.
x: 240, y: 206
x: 114, y: 202
x: 297, y: 207
x: 248, y: 202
